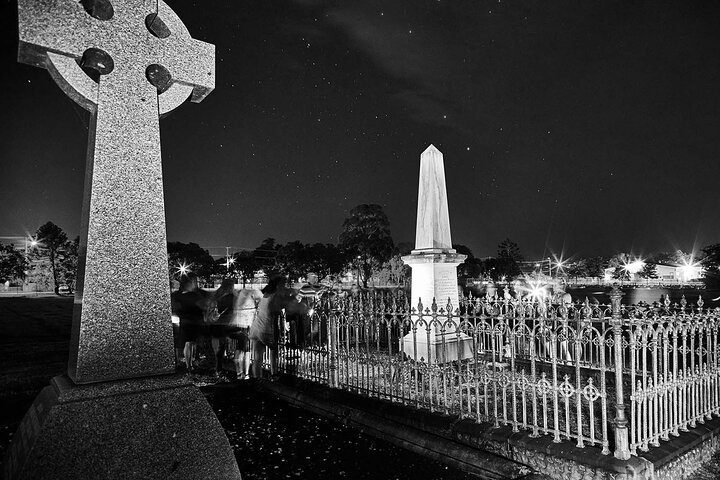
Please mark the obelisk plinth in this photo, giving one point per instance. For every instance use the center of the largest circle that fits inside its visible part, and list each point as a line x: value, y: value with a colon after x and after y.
x: 434, y: 270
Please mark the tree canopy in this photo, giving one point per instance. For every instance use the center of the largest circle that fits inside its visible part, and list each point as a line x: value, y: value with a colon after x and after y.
x: 13, y: 263
x: 366, y: 239
x: 507, y: 262
x: 193, y: 257
x: 51, y: 239
x: 711, y: 264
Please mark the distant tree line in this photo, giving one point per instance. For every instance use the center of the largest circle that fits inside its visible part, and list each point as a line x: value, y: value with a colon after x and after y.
x: 365, y: 247
x: 597, y: 266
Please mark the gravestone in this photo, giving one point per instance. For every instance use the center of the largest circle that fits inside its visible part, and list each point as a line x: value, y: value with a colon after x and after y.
x: 121, y: 412
x: 434, y: 270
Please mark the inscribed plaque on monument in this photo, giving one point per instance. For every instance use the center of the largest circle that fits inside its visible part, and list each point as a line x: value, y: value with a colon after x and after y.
x: 446, y: 285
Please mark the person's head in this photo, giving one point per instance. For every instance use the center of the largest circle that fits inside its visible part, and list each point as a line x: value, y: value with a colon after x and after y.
x: 226, y: 286
x: 274, y: 284
x: 312, y: 278
x: 188, y: 283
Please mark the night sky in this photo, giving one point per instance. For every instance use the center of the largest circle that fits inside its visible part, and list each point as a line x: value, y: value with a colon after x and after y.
x: 581, y: 127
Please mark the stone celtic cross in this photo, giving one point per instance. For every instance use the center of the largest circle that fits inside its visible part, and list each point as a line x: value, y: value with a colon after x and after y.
x: 141, y: 63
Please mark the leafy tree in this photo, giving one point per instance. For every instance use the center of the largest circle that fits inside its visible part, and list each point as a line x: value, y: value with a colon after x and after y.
x: 266, y: 256
x: 619, y: 260
x: 678, y: 257
x: 471, y: 267
x: 596, y: 266
x: 366, y: 239
x: 620, y: 273
x: 508, y: 258
x: 291, y: 260
x: 711, y: 265
x: 39, y: 273
x: 399, y: 271
x: 393, y: 272
x: 649, y: 270
x: 245, y: 265
x: 197, y: 259
x: 509, y: 249
x: 13, y: 263
x: 68, y: 262
x: 325, y: 260
x: 51, y: 239
x: 489, y: 269
x: 577, y: 269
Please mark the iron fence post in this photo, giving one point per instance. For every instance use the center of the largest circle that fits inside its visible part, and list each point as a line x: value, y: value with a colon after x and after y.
x: 622, y: 450
x: 333, y: 374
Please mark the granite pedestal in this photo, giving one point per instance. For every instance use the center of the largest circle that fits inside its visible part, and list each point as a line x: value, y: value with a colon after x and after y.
x: 155, y: 427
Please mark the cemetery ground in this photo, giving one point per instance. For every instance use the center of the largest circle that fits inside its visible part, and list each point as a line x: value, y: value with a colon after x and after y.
x: 270, y: 438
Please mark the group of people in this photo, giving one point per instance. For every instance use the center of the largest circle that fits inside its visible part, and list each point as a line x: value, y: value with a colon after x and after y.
x: 251, y: 318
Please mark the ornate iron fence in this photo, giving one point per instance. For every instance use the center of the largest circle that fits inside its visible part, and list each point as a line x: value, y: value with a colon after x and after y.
x: 568, y: 371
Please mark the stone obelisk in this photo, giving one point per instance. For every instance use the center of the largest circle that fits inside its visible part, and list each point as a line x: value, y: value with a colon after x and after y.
x: 121, y: 412
x: 434, y: 268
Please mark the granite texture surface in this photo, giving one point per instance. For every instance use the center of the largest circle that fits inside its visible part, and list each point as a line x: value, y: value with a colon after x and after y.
x: 135, y: 431
x: 121, y: 326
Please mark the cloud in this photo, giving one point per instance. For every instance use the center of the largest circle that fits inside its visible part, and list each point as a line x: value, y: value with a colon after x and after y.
x: 432, y: 68
x: 417, y: 61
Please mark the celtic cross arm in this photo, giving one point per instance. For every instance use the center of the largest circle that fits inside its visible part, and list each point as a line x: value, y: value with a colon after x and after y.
x: 133, y: 38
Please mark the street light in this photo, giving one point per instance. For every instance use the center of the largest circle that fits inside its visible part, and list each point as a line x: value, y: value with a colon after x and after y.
x: 230, y: 260
x: 32, y: 242
x: 183, y: 268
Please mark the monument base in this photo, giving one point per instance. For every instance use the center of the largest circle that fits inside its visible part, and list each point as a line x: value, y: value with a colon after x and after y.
x: 444, y: 348
x: 156, y: 427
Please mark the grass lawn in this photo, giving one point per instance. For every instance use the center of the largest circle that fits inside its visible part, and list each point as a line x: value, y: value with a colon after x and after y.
x: 34, y: 339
